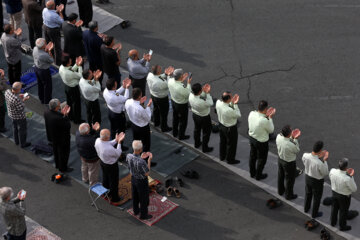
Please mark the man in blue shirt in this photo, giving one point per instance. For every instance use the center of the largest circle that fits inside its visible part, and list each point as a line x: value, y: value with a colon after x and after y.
x: 53, y: 20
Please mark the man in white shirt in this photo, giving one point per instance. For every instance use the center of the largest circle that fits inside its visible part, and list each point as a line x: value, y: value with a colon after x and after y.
x: 200, y: 101
x: 159, y: 91
x: 287, y: 147
x: 315, y: 171
x: 342, y: 185
x: 140, y: 116
x: 180, y: 102
x: 71, y: 76
x: 115, y: 100
x: 90, y: 89
x: 109, y: 155
x: 260, y: 126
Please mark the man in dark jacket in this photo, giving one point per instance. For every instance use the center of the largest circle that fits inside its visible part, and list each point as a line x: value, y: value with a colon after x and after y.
x: 73, y: 37
x: 33, y: 18
x: 85, y: 11
x: 85, y: 143
x: 110, y: 55
x: 58, y: 133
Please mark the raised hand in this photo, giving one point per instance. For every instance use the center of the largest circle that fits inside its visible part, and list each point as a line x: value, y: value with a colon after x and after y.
x: 2, y: 73
x: 49, y: 47
x: 65, y: 110
x: 296, y: 133
x: 18, y: 32
x: 235, y: 99
x: 60, y: 8
x: 169, y: 70
x: 21, y: 196
x: 79, y: 61
x: 97, y: 75
x: 117, y: 47
x: 126, y: 83
x: 149, y: 103
x: 144, y: 155
x: 96, y: 126
x: 206, y: 88
x: 142, y: 100
x: 270, y: 112
x: 79, y: 23
x: 121, y: 137
x: 150, y: 155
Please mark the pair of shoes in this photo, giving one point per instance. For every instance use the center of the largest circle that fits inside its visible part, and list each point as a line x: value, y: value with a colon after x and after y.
x: 197, y: 145
x: 190, y: 174
x: 168, y: 129
x: 146, y: 217
x: 171, y: 181
x: 3, y: 129
x: 185, y: 137
x: 346, y: 228
x: 233, y: 162
x: 262, y: 176
x: 27, y: 144
x: 170, y: 191
x: 291, y: 197
x: 319, y: 214
x: 208, y: 149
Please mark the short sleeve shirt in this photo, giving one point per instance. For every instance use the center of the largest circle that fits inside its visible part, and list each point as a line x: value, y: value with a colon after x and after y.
x: 137, y: 166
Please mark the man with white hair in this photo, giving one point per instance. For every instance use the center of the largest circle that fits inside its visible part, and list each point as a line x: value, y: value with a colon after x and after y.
x: 58, y: 133
x: 85, y: 143
x: 43, y: 60
x: 16, y: 111
x: 13, y: 212
x: 109, y: 156
x: 140, y: 170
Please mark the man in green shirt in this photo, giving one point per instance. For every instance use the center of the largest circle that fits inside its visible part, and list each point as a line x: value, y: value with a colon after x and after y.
x: 228, y: 113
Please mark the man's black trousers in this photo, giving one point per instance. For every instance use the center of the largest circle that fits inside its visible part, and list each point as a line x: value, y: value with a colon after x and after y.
x: 61, y: 154
x: 313, y: 189
x: 161, y: 111
x: 143, y: 134
x: 140, y: 195
x: 14, y: 72
x: 258, y: 157
x: 85, y: 11
x: 53, y: 35
x: 228, y: 142
x: 93, y: 111
x: 34, y: 33
x: 111, y: 179
x: 202, y: 124
x: 286, y: 173
x: 44, y: 84
x: 117, y: 123
x: 340, y: 205
x: 180, y: 118
x: 73, y: 100
x: 139, y: 83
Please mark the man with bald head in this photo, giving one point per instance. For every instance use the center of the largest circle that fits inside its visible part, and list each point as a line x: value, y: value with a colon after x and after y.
x: 16, y: 111
x: 138, y: 69
x: 85, y: 143
x: 53, y: 19
x: 109, y: 156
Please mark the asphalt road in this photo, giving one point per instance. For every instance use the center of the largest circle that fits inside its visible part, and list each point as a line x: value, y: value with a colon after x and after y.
x: 301, y: 56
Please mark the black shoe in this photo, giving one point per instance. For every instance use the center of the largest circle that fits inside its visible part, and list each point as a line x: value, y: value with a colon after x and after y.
x: 146, y: 217
x: 198, y: 145
x: 262, y: 176
x: 233, y: 162
x: 208, y: 149
x: 136, y: 213
x: 319, y: 214
x: 292, y: 197
x: 346, y: 228
x: 184, y: 137
x: 3, y: 129
x: 153, y: 164
x: 222, y: 159
x: 27, y: 144
x: 168, y: 129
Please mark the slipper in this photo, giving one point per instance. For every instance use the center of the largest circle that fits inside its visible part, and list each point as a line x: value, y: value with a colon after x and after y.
x: 177, y: 193
x: 273, y: 203
x: 169, y: 191
x: 179, y: 181
x: 312, y: 224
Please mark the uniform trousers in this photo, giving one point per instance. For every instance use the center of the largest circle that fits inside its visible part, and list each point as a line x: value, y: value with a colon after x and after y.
x: 313, y: 189
x: 117, y: 123
x: 44, y: 84
x: 111, y: 179
x: 180, y: 118
x: 53, y: 35
x: 139, y: 83
x: 340, y: 204
x: 19, y: 131
x: 143, y: 134
x: 140, y: 195
x: 228, y: 142
x: 61, y: 154
x: 161, y: 111
x: 73, y: 100
x: 34, y: 33
x: 286, y: 173
x: 93, y: 111
x: 202, y: 124
x: 14, y: 72
x: 258, y: 157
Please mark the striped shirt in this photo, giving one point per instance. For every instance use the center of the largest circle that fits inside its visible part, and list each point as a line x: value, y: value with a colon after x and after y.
x: 15, y: 105
x: 137, y: 166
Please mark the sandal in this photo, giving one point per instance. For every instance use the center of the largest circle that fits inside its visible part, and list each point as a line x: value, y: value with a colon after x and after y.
x: 273, y: 203
x: 169, y: 191
x: 177, y: 193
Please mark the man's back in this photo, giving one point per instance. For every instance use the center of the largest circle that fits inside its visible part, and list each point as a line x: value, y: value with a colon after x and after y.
x: 92, y: 44
x: 33, y: 12
x: 73, y: 37
x: 57, y: 126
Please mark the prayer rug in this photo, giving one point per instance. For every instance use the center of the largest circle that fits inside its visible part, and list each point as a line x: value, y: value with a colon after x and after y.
x: 28, y: 78
x: 125, y: 189
x: 41, y: 233
x: 157, y: 209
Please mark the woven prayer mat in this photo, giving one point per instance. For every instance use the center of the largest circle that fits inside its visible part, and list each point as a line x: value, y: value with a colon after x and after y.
x: 29, y: 80
x: 156, y: 208
x: 41, y: 233
x: 125, y: 189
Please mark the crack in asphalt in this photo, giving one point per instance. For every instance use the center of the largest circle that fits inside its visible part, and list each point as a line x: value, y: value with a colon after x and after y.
x: 233, y: 37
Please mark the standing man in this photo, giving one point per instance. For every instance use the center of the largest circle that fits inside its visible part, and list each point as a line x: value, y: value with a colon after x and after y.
x: 342, y: 186
x: 115, y: 99
x: 43, y: 60
x: 58, y: 133
x: 13, y: 212
x: 11, y: 43
x: 180, y: 102
x: 260, y: 126
x: 53, y: 20
x: 14, y: 9
x: 33, y: 18
x: 109, y: 162
x: 92, y: 43
x: 315, y: 171
x: 73, y: 37
x: 85, y: 11
x: 16, y: 111
x: 110, y: 55
x: 228, y: 113
x: 90, y: 89
x: 140, y: 170
x: 159, y: 91
x: 138, y: 69
x: 71, y: 76
x: 200, y: 101
x: 3, y: 87
x: 85, y: 143
x: 288, y: 147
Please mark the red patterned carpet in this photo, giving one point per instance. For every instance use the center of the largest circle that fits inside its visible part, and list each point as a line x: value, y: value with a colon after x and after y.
x: 41, y: 233
x: 157, y: 209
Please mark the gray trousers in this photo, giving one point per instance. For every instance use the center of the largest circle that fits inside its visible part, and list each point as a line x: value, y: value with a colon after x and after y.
x: 19, y: 131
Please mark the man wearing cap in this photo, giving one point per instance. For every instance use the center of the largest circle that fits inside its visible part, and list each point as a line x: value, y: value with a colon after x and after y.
x: 111, y: 58
x: 43, y: 60
x: 159, y: 91
x: 228, y: 114
x: 287, y: 147
x: 180, y: 102
x: 92, y: 43
x: 138, y: 69
x: 315, y: 171
x: 200, y: 101
x: 53, y: 19
x: 342, y: 186
x: 260, y: 126
x: 73, y: 37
